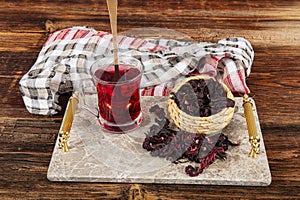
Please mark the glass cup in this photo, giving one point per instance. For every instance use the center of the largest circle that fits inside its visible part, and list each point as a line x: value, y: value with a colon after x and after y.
x: 118, y: 93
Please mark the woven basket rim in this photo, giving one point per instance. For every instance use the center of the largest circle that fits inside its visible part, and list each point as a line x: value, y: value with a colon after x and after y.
x: 196, y: 123
x: 198, y: 77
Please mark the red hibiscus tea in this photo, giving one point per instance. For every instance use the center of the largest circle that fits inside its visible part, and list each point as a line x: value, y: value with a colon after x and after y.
x: 118, y: 94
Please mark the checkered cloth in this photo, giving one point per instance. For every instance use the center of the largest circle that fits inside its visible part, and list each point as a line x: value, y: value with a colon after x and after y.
x: 67, y: 55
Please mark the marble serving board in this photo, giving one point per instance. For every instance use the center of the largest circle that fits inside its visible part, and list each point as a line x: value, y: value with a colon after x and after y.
x: 99, y: 156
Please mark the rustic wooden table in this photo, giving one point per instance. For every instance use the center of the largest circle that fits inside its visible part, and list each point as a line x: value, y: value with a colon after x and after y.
x: 27, y: 141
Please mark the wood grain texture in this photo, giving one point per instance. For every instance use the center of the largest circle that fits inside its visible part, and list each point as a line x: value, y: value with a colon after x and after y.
x: 27, y: 141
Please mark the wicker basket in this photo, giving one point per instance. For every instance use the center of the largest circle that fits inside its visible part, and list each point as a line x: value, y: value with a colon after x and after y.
x: 194, y: 124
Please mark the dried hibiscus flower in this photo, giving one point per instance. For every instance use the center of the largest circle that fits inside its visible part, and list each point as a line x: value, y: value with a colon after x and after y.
x: 179, y: 146
x: 202, y: 97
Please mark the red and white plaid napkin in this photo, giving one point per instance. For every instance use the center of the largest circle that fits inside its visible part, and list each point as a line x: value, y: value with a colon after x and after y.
x: 66, y: 57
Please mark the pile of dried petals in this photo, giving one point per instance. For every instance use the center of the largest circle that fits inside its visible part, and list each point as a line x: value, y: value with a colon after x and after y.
x: 180, y: 146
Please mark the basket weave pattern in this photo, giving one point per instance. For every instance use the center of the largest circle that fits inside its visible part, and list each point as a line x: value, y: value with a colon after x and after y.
x: 195, y: 124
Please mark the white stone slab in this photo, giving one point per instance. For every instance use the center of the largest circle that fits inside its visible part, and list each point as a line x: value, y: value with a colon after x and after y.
x: 98, y: 156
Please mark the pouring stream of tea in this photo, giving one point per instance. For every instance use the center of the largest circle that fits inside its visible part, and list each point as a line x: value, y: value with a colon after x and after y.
x: 112, y: 9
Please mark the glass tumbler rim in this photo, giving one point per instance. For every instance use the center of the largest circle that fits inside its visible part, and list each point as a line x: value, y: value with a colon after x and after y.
x: 109, y: 61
